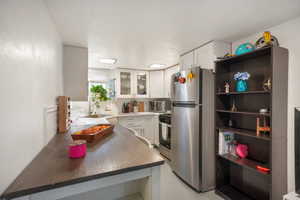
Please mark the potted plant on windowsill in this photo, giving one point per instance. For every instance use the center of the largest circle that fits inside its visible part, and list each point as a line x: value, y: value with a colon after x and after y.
x: 98, y: 95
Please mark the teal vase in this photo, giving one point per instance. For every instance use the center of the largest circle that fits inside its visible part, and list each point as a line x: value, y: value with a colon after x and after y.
x: 241, y: 86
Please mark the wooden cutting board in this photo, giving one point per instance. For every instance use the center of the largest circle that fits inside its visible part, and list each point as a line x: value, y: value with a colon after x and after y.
x: 141, y: 106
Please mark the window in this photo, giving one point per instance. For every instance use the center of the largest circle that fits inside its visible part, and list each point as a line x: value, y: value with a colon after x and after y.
x: 109, y: 86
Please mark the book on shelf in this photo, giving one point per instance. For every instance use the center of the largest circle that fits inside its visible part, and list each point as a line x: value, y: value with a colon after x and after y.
x: 225, y: 140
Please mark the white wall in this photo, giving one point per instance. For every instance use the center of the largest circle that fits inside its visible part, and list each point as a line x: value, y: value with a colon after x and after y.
x: 288, y: 36
x: 102, y: 75
x: 30, y: 80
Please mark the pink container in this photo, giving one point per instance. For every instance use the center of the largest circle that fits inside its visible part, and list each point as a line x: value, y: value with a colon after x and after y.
x: 242, y: 150
x: 77, y: 149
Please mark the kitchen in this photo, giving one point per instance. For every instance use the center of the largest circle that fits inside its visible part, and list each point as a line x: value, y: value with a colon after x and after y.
x: 187, y: 109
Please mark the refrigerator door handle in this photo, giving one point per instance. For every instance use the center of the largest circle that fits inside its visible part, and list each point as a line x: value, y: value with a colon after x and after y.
x: 186, y: 105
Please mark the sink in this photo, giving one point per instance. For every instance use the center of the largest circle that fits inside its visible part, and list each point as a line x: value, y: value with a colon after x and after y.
x: 95, y: 116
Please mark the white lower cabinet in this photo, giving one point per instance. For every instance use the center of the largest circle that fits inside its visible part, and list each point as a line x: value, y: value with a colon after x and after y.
x: 145, y: 126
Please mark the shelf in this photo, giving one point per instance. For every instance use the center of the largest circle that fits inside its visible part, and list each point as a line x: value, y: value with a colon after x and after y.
x: 245, y: 56
x: 243, y: 113
x: 249, y: 164
x: 248, y: 92
x: 228, y: 192
x: 245, y: 132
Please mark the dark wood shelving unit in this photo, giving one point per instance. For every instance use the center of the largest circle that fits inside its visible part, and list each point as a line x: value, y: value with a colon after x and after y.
x: 247, y: 92
x: 244, y: 132
x: 250, y: 164
x: 243, y: 112
x: 228, y: 192
x: 236, y: 178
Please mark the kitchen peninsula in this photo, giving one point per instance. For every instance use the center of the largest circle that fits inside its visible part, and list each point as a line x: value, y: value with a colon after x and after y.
x: 52, y: 175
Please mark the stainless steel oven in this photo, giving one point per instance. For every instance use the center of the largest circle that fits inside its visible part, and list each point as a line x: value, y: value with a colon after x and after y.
x: 165, y: 135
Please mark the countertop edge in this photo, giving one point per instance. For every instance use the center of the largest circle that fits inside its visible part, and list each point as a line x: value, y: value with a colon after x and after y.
x: 78, y: 180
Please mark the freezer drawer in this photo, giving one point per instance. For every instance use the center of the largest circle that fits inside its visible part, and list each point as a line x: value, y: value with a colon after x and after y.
x: 185, y: 143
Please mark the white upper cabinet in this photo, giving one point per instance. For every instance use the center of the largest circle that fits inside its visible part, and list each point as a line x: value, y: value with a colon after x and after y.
x: 124, y: 83
x: 141, y: 84
x: 205, y: 56
x: 187, y: 60
x: 168, y: 76
x: 156, y: 84
x: 132, y: 83
x: 144, y: 84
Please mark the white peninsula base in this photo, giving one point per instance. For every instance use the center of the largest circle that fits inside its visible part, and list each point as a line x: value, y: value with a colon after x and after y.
x: 150, y: 186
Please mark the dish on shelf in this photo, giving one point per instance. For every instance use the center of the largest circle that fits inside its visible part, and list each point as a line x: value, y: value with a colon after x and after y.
x: 94, y: 133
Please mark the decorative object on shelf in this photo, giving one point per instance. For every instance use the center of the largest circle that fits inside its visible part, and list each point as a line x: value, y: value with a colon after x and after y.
x: 98, y: 95
x: 263, y: 169
x: 227, y: 87
x: 266, y: 40
x: 227, y: 55
x: 244, y: 48
x: 264, y: 111
x: 77, y: 149
x: 233, y: 107
x: 265, y: 128
x: 267, y: 85
x: 241, y: 84
x: 230, y: 123
x: 242, y: 150
x: 232, y: 148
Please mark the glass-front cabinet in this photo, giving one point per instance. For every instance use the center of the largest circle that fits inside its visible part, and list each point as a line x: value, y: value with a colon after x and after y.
x: 132, y: 83
x: 125, y: 83
x: 141, y: 86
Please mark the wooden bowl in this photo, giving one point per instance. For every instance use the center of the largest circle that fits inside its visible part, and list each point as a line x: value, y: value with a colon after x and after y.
x: 92, y: 137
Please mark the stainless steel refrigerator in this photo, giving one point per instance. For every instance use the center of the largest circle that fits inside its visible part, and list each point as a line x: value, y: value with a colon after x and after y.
x: 192, y: 139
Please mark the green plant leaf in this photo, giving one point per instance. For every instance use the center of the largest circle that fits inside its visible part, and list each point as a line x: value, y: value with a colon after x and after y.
x: 99, y: 94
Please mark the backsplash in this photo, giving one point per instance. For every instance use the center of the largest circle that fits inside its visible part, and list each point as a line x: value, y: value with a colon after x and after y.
x: 112, y: 107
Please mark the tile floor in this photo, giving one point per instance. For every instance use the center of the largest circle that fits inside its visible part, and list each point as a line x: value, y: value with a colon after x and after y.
x: 174, y: 189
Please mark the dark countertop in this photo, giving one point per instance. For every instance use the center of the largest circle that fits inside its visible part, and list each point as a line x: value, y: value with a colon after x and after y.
x: 52, y: 168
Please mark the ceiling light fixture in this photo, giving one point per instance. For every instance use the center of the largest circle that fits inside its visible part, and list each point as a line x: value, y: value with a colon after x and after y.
x: 157, y: 65
x: 108, y: 60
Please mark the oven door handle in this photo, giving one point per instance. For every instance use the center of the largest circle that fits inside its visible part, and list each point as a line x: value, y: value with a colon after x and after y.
x: 165, y: 124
